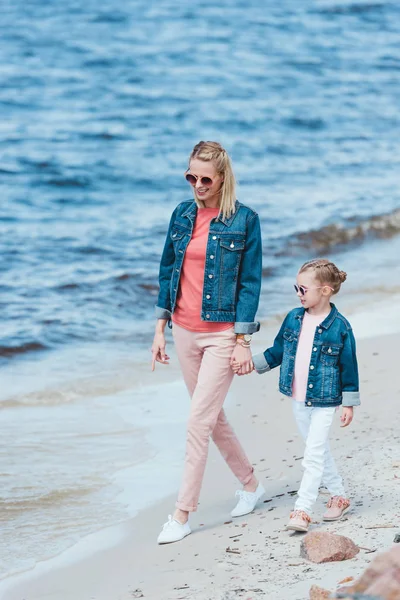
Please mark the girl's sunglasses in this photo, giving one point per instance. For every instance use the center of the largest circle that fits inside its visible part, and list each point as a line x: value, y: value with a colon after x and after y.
x: 303, y: 290
x: 192, y: 179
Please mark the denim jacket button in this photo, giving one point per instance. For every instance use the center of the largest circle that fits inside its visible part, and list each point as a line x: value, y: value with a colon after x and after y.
x: 314, y: 349
x: 232, y: 245
x: 174, y: 235
x: 329, y: 350
x: 312, y: 367
x: 309, y: 403
x: 214, y: 237
x: 211, y: 256
x: 319, y: 330
x: 207, y: 316
x: 311, y: 386
x: 210, y: 276
x: 208, y: 296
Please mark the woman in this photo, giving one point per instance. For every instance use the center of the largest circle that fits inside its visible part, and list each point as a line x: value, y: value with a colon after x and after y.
x: 210, y: 279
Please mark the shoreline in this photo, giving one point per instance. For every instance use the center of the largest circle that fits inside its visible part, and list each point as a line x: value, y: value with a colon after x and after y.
x: 254, y: 421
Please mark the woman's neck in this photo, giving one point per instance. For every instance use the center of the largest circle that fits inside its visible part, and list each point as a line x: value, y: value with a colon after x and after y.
x: 211, y: 203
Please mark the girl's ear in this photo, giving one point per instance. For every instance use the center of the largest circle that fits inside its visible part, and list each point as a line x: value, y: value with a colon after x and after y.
x: 326, y: 290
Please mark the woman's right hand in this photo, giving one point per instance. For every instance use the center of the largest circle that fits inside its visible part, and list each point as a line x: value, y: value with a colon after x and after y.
x: 158, y: 350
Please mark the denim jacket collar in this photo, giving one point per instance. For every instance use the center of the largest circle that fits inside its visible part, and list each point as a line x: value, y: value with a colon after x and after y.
x: 326, y: 323
x: 228, y: 221
x: 192, y: 211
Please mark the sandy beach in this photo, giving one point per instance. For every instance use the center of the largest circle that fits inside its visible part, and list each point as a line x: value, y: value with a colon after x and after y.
x: 102, y: 104
x: 251, y: 557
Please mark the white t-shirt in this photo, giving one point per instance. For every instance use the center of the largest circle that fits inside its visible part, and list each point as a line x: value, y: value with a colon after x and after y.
x: 303, y: 354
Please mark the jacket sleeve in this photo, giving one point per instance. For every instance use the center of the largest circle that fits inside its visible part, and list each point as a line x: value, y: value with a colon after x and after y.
x: 163, y: 307
x: 249, y: 284
x: 349, y: 371
x: 272, y: 357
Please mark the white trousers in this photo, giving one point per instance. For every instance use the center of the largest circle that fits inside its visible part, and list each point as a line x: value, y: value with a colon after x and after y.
x: 314, y: 424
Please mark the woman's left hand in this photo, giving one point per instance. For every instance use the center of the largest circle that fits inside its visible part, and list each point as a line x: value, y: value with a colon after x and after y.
x: 241, y: 361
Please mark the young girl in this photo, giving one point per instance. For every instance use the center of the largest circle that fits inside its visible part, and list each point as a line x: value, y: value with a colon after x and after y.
x: 317, y: 353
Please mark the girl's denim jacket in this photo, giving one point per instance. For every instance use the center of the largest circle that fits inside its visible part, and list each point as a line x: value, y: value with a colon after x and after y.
x: 232, y: 274
x: 333, y: 373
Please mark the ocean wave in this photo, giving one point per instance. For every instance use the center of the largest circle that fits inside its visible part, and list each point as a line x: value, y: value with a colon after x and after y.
x: 102, y: 135
x: 73, y: 391
x: 4, y: 171
x: 354, y: 8
x: 54, y: 497
x: 11, y: 351
x: 110, y: 17
x: 75, y: 182
x: 314, y: 124
x: 349, y: 232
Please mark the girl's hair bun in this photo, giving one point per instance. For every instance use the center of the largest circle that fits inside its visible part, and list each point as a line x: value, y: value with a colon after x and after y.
x: 326, y: 272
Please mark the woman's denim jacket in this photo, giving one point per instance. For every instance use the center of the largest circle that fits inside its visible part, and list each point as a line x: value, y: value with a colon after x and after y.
x: 232, y: 275
x: 333, y: 373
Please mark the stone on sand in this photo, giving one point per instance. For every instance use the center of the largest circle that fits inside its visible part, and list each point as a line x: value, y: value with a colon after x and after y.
x: 321, y: 547
x: 381, y: 578
x: 318, y: 593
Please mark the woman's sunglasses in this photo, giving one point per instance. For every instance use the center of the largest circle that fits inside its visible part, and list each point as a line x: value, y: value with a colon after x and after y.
x: 303, y: 290
x: 192, y: 179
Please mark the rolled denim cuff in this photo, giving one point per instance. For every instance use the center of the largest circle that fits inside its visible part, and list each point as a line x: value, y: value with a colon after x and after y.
x: 163, y: 313
x: 242, y: 327
x: 260, y: 363
x: 351, y: 399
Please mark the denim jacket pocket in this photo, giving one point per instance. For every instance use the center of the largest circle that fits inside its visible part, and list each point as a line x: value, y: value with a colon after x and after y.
x: 289, y: 339
x: 330, y: 355
x: 330, y: 384
x: 177, y: 234
x: 231, y: 251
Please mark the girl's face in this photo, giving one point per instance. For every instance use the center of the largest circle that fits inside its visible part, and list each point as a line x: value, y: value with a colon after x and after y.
x: 316, y: 295
x: 208, y: 181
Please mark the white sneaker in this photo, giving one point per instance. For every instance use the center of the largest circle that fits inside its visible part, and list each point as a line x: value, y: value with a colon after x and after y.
x: 173, y: 531
x: 247, y: 501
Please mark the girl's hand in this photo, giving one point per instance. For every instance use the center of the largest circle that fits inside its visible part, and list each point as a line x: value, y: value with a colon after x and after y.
x: 158, y: 350
x: 347, y: 415
x: 241, y: 361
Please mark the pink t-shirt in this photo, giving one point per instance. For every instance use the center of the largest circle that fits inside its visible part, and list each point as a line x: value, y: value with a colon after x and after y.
x: 187, y: 312
x: 303, y: 354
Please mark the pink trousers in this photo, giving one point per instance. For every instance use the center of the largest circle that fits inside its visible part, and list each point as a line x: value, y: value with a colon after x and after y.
x: 205, y: 363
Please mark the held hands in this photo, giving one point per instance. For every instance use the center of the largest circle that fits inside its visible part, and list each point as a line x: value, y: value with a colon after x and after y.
x: 158, y: 350
x: 347, y: 416
x: 241, y: 361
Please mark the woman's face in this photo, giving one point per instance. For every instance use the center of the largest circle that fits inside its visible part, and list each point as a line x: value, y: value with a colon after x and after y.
x: 205, y: 191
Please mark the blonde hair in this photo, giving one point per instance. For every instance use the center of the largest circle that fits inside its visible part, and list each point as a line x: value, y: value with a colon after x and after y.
x: 326, y: 272
x: 212, y: 151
